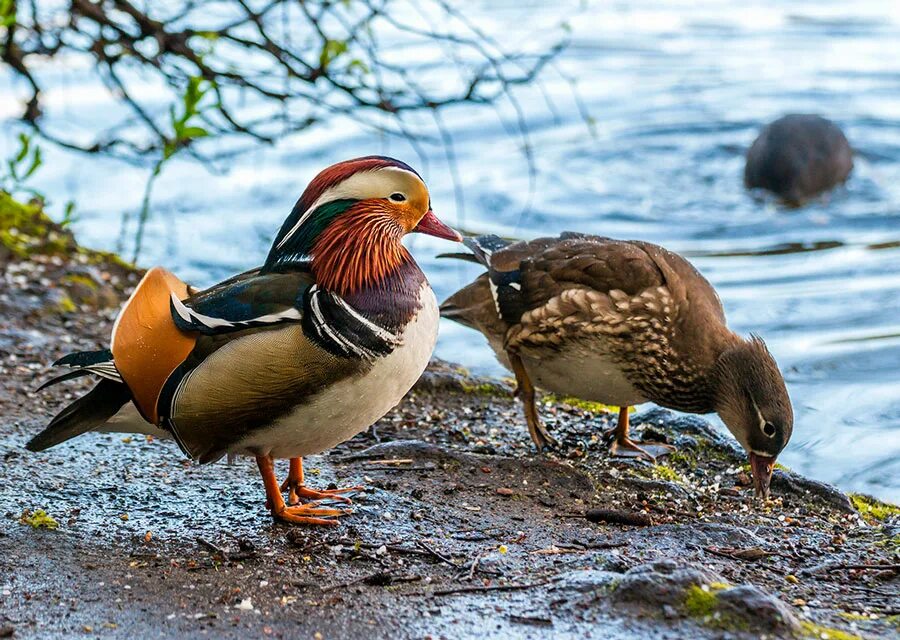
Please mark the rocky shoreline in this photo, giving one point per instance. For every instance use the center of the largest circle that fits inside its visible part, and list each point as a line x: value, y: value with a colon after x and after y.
x: 463, y: 530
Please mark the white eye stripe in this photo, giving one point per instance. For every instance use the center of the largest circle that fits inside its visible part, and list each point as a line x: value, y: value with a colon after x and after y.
x: 763, y: 423
x: 361, y: 185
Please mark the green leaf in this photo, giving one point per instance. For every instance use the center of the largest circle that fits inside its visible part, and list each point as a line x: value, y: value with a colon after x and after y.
x: 7, y: 13
x: 356, y: 63
x: 36, y: 161
x: 190, y: 133
x: 24, y: 142
x: 330, y: 51
x: 68, y: 214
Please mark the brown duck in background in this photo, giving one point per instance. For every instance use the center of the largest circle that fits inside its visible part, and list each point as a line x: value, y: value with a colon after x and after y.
x: 798, y: 157
x: 622, y: 322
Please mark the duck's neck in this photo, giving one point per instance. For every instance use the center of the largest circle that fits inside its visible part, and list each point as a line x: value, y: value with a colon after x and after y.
x: 362, y: 259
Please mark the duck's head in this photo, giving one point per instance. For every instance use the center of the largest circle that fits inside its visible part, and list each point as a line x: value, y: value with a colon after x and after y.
x: 351, y: 218
x: 753, y: 402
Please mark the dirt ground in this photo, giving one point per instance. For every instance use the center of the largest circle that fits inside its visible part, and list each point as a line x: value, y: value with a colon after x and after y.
x: 463, y: 531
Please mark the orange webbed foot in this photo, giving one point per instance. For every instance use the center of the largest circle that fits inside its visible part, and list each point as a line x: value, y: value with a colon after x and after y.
x: 310, y: 513
x: 297, y: 489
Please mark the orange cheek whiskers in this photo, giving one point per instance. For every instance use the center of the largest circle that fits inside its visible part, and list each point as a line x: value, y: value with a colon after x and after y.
x: 359, y: 249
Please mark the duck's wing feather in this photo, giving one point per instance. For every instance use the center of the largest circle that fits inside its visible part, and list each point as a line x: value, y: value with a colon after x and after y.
x: 526, y: 276
x: 267, y: 342
x: 251, y: 299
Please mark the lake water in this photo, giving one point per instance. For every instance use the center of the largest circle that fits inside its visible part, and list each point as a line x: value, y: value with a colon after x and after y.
x: 675, y: 94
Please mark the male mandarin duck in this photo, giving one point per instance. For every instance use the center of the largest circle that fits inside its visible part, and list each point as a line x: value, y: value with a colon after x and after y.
x: 285, y: 360
x: 622, y: 323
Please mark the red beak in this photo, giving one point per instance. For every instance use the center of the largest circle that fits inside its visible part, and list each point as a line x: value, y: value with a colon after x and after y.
x: 432, y: 226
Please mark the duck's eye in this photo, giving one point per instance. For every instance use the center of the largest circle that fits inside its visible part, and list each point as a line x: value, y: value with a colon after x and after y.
x: 769, y: 429
x: 398, y: 197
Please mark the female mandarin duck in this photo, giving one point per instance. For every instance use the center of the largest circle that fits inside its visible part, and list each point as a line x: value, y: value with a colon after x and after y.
x: 622, y: 323
x: 285, y: 360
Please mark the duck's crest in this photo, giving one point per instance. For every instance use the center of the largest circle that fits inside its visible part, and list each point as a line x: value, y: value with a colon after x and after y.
x: 327, y: 196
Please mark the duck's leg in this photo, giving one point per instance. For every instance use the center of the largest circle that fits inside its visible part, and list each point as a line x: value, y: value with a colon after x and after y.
x: 623, y: 446
x: 525, y: 390
x: 310, y: 513
x: 298, y: 489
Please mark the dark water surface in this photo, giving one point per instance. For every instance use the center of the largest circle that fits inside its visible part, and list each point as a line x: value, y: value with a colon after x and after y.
x: 675, y: 96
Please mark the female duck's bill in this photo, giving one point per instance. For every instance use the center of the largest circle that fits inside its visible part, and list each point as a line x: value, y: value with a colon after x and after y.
x: 761, y: 468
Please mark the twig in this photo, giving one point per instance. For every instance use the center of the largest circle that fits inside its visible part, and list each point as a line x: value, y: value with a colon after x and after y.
x: 436, y: 554
x: 474, y: 567
x: 541, y: 622
x: 420, y: 468
x: 856, y: 567
x: 750, y: 555
x: 379, y: 579
x: 215, y: 549
x: 612, y: 516
x: 482, y: 589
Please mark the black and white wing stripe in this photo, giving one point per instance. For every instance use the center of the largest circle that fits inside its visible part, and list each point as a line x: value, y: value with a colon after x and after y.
x: 342, y: 330
x: 188, y: 319
x: 504, y: 279
x: 84, y: 363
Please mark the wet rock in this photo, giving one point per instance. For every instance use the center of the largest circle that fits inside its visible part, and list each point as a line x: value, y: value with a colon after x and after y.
x: 797, y: 157
x: 706, y: 534
x: 446, y: 376
x: 656, y: 487
x: 660, y: 583
x: 788, y: 482
x: 695, y: 593
x: 679, y: 425
x: 747, y: 607
x: 587, y: 581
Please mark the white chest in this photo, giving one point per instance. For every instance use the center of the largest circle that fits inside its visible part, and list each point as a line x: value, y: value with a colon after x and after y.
x: 579, y: 372
x: 352, y: 405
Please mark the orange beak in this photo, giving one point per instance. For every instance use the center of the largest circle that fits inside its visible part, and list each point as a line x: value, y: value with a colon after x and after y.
x: 432, y: 226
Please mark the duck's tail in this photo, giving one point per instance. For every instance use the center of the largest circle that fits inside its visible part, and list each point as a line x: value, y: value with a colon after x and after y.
x: 92, y: 409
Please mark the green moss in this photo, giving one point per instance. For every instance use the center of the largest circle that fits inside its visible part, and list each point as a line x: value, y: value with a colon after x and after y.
x: 585, y: 405
x: 105, y: 257
x: 681, y: 458
x: 847, y: 615
x: 24, y: 228
x: 873, y: 509
x: 812, y: 630
x: 700, y: 602
x: 489, y: 389
x: 38, y: 519
x: 67, y: 305
x: 25, y: 231
x: 77, y: 278
x: 664, y: 472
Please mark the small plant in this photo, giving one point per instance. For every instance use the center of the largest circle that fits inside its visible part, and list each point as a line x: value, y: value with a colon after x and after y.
x: 184, y: 131
x: 20, y: 167
x: 38, y: 519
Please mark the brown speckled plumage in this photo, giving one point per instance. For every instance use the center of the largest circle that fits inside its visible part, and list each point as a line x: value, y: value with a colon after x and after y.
x: 618, y: 322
